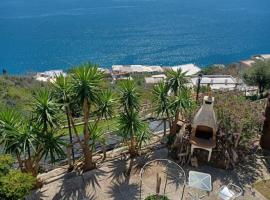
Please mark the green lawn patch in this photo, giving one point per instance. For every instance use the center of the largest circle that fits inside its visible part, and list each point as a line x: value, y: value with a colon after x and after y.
x: 108, y: 125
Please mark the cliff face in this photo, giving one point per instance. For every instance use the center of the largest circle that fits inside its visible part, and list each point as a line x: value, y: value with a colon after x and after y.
x: 265, y: 139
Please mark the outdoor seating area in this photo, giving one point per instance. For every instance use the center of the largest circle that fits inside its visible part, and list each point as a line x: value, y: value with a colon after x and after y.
x: 124, y: 179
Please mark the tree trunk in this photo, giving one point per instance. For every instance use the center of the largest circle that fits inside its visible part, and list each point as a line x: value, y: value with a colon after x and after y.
x: 169, y: 120
x: 265, y: 138
x: 261, y: 90
x: 19, y: 160
x: 176, y: 118
x: 88, y: 162
x: 104, y: 151
x: 70, y: 135
x: 74, y: 128
x: 132, y: 150
x: 164, y: 126
x: 31, y: 166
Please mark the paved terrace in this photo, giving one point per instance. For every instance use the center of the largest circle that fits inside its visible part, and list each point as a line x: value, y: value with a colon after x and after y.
x: 119, y: 179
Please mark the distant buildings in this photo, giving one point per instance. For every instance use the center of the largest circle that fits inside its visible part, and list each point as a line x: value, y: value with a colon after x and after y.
x: 106, y: 71
x: 155, y: 79
x: 135, y: 69
x: 248, y: 63
x: 217, y: 82
x: 190, y: 69
x: 48, y: 76
x: 263, y: 57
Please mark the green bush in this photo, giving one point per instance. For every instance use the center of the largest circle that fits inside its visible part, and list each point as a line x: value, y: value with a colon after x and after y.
x: 259, y: 75
x: 156, y: 197
x: 14, y: 185
x: 6, y: 162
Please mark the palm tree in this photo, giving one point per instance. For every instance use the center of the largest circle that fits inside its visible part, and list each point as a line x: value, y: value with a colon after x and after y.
x: 62, y: 93
x: 129, y: 96
x: 105, y: 105
x: 161, y: 102
x: 86, y: 85
x: 176, y: 80
x: 45, y: 110
x: 133, y: 130
x: 105, y: 109
x: 27, y: 142
x: 13, y: 134
x: 44, y: 125
x: 181, y: 104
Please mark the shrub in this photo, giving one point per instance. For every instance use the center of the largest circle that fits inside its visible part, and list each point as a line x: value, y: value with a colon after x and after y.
x: 14, y: 185
x: 236, y: 114
x: 259, y: 75
x: 6, y: 162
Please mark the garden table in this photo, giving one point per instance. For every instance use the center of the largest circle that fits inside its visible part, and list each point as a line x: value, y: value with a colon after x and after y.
x: 201, y: 181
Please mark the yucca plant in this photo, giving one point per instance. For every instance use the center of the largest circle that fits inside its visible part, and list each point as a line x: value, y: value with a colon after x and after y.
x: 28, y: 141
x: 45, y: 110
x: 131, y: 127
x: 176, y: 80
x: 161, y: 103
x: 63, y: 95
x: 181, y: 104
x: 86, y: 85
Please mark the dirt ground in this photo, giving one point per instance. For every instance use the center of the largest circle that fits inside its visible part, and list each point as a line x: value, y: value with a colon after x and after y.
x: 120, y: 179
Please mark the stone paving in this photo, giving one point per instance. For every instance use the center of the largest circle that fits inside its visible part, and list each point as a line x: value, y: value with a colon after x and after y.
x: 119, y: 179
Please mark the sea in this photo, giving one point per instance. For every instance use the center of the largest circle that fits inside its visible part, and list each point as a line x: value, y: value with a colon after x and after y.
x: 39, y: 35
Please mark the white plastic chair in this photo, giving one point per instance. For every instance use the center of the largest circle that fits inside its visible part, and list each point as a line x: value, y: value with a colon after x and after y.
x: 230, y: 192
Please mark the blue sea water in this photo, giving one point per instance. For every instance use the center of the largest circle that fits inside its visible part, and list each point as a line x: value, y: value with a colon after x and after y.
x: 37, y: 35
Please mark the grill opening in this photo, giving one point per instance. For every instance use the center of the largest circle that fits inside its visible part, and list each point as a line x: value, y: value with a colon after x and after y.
x: 204, y: 132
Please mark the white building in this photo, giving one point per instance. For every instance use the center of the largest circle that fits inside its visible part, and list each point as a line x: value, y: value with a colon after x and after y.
x: 217, y: 82
x: 263, y: 57
x: 49, y: 75
x: 246, y: 63
x: 104, y: 70
x: 135, y: 69
x: 190, y: 69
x: 155, y: 79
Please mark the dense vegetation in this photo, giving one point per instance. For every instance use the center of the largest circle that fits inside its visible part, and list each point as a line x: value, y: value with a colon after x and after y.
x: 14, y: 184
x: 17, y: 92
x: 239, y: 116
x: 232, y: 69
x: 258, y: 75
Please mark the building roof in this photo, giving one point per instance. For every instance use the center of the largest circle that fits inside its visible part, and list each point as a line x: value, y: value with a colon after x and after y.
x: 190, y: 69
x: 48, y: 75
x: 159, y: 76
x: 263, y: 57
x: 216, y: 81
x: 105, y: 70
x: 247, y: 63
x: 53, y: 73
x: 136, y: 68
x: 155, y: 79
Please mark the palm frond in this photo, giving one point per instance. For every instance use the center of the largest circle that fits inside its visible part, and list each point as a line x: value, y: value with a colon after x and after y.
x: 86, y: 82
x: 129, y: 96
x: 176, y: 80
